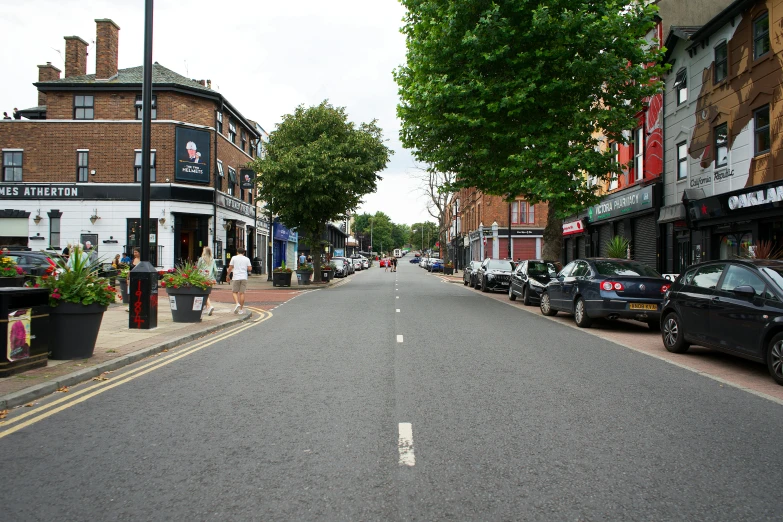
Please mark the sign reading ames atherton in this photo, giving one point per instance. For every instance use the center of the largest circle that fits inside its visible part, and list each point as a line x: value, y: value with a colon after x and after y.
x: 38, y: 191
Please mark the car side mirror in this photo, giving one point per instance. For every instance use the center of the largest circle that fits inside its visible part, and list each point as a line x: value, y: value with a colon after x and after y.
x: 744, y: 291
x: 560, y: 277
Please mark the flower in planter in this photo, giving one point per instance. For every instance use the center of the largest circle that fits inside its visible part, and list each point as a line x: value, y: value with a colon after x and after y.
x: 305, y: 267
x: 282, y: 269
x: 77, y: 282
x: 186, y: 275
x: 9, y: 268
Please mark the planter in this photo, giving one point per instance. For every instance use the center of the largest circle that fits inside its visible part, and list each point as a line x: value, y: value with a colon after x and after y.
x: 448, y: 271
x: 187, y: 303
x: 303, y: 277
x: 11, y: 282
x: 124, y: 291
x: 327, y: 275
x: 281, y: 278
x: 24, y: 329
x: 73, y: 330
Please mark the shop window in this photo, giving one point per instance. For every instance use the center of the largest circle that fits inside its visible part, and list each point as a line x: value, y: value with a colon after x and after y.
x: 219, y: 124
x: 83, y: 107
x: 139, y: 107
x: 721, y: 145
x: 12, y: 165
x: 735, y: 245
x: 82, y: 166
x: 761, y: 36
x: 682, y: 160
x: 761, y: 130
x: 721, y: 62
x: 137, y: 166
x: 681, y: 86
x: 638, y: 160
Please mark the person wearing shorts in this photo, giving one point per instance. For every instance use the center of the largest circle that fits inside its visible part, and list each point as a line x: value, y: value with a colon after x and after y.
x: 239, y: 266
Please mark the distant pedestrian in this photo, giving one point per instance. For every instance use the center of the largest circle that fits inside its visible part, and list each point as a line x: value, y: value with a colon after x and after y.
x: 66, y: 253
x: 309, y: 260
x: 136, y: 257
x: 394, y: 264
x: 126, y: 259
x: 208, y: 267
x: 116, y: 262
x: 91, y: 252
x: 239, y: 266
x: 386, y: 264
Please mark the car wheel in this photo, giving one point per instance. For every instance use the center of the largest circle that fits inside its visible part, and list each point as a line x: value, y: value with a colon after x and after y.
x: 580, y: 314
x: 655, y: 326
x: 484, y: 285
x: 511, y: 294
x: 672, y: 334
x: 775, y: 358
x: 465, y: 283
x: 546, y: 305
x: 526, y: 296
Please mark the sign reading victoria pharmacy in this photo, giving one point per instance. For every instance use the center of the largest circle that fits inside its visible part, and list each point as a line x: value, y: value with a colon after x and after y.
x: 192, y: 158
x: 626, y: 202
x: 31, y: 191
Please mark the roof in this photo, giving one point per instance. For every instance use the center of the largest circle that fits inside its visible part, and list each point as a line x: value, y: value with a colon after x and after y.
x: 677, y: 33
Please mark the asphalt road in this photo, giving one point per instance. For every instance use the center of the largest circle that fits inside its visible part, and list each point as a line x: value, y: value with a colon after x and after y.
x: 341, y: 407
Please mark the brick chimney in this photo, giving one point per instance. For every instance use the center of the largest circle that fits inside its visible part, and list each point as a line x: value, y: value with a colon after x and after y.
x: 46, y: 73
x: 75, y: 56
x: 106, y: 48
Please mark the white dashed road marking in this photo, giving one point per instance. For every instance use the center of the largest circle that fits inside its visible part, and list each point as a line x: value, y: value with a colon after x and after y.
x: 399, y: 338
x: 405, y: 445
x: 398, y: 310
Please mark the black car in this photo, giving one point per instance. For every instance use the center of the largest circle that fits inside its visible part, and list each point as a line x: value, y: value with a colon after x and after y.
x: 733, y: 306
x: 469, y: 274
x: 342, y: 268
x: 34, y: 263
x: 529, y: 279
x: 494, y: 274
x: 606, y: 288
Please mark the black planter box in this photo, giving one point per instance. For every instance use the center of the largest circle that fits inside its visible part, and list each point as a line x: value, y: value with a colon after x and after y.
x: 281, y: 278
x: 25, y: 356
x: 181, y: 302
x: 303, y: 277
x: 326, y: 275
x: 448, y: 271
x: 74, y: 330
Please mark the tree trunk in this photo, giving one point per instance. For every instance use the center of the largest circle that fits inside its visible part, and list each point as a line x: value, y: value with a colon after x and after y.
x: 553, y: 235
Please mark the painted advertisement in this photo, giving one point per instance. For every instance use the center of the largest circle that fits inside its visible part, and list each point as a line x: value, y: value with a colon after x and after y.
x: 192, y: 158
x: 18, y: 341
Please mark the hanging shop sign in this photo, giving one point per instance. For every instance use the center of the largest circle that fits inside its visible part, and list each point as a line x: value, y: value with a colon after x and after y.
x: 247, y: 179
x: 625, y: 203
x: 574, y: 227
x: 192, y: 157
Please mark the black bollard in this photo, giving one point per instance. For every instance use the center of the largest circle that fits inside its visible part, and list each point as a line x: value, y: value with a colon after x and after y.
x: 143, y: 290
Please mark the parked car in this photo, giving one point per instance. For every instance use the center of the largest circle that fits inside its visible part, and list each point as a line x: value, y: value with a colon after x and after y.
x: 435, y: 265
x: 529, y: 279
x: 424, y: 262
x: 415, y: 260
x: 733, y: 306
x: 34, y: 263
x: 494, y: 274
x: 342, y: 266
x: 469, y: 273
x: 357, y: 263
x: 606, y: 288
x: 365, y: 263
x: 385, y: 261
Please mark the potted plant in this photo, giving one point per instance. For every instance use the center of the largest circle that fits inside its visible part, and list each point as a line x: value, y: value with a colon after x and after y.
x: 327, y: 272
x: 304, y: 273
x: 78, y: 297
x: 188, y: 289
x: 618, y: 248
x: 281, y: 276
x: 448, y: 268
x: 10, y: 274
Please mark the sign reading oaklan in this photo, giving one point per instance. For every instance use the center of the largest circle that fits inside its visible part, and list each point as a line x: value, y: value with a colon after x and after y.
x: 235, y: 205
x: 38, y: 191
x: 623, y: 204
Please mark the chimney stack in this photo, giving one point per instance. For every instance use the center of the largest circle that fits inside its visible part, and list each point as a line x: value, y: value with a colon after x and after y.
x: 46, y: 73
x: 203, y: 83
x: 209, y: 84
x: 75, y: 56
x: 106, y: 48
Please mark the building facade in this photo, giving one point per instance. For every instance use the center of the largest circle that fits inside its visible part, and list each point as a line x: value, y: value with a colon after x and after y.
x: 72, y: 165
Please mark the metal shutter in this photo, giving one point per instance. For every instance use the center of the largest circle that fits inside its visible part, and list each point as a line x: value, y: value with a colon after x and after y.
x: 569, y: 250
x: 524, y: 248
x: 621, y: 228
x: 643, y: 244
x: 580, y: 247
x: 604, y: 235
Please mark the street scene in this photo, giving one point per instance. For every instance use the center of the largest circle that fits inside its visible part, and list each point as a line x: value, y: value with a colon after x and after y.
x: 392, y: 260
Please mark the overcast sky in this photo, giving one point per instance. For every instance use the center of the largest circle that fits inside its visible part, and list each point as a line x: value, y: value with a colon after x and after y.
x: 266, y: 57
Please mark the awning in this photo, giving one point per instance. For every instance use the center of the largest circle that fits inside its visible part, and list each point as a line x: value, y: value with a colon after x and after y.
x: 671, y: 213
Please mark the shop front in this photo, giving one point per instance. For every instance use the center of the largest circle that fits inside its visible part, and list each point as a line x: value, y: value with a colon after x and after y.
x: 476, y: 252
x: 236, y: 220
x: 284, y: 246
x: 733, y: 224
x: 525, y: 242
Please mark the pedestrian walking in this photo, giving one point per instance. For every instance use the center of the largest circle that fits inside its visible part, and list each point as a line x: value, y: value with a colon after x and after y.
x: 208, y: 267
x: 239, y: 267
x: 394, y: 264
x: 116, y: 262
x: 91, y: 253
x: 386, y: 265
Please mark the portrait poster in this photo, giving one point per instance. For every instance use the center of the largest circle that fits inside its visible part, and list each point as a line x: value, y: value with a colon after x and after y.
x: 247, y: 178
x: 192, y: 156
x: 198, y: 303
x: 18, y: 341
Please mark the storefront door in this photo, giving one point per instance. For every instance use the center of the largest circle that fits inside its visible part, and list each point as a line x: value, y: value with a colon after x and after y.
x: 133, y: 235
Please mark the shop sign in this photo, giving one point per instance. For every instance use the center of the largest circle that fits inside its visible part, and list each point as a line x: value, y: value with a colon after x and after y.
x: 764, y: 196
x: 620, y: 205
x: 474, y: 235
x: 758, y: 197
x: 281, y: 233
x: 574, y: 227
x: 25, y: 191
x: 234, y: 204
x: 466, y: 241
x: 247, y: 179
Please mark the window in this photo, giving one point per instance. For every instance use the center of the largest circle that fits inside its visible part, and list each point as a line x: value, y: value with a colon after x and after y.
x: 12, y: 165
x: 82, y: 165
x: 243, y: 139
x: 615, y: 161
x: 154, y: 107
x: 567, y: 270
x: 638, y: 147
x: 682, y: 160
x: 581, y: 270
x: 232, y: 131
x: 681, y: 86
x: 707, y: 276
x: 232, y: 181
x: 721, y: 145
x: 721, y: 62
x: 738, y: 276
x: 761, y: 36
x: 220, y: 168
x: 83, y: 107
x: 220, y: 122
x: 522, y: 212
x: 761, y: 130
x: 54, y: 229
x: 137, y: 164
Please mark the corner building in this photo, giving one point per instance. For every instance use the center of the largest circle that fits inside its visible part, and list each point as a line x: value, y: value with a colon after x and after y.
x: 72, y: 165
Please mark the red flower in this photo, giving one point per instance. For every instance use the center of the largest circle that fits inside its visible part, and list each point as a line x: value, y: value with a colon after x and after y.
x: 36, y: 285
x: 55, y: 295
x: 19, y: 270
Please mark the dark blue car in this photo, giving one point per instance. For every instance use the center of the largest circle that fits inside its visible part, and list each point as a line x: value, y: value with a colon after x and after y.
x: 606, y: 288
x: 435, y: 265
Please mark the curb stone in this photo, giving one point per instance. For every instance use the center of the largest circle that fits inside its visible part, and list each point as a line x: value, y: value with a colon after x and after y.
x: 37, y: 391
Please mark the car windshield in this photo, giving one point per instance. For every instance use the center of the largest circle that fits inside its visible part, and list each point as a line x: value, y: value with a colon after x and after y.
x: 497, y: 264
x: 539, y: 268
x: 625, y: 268
x: 775, y: 273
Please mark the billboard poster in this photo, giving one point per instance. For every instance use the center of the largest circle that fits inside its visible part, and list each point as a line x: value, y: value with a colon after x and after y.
x: 192, y: 155
x: 18, y: 341
x: 247, y: 178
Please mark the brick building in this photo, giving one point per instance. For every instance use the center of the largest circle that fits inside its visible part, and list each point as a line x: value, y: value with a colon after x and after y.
x: 72, y: 165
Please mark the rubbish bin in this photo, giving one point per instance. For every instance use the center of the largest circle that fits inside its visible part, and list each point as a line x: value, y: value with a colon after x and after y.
x: 24, y: 316
x: 258, y: 266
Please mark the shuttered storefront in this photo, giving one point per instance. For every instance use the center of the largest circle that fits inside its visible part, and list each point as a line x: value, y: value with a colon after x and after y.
x: 643, y: 244
x: 580, y: 247
x: 524, y: 248
x: 604, y: 235
x: 569, y: 250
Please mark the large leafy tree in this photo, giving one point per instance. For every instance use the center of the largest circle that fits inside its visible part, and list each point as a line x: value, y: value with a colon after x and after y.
x: 424, y: 235
x: 317, y: 166
x: 511, y: 96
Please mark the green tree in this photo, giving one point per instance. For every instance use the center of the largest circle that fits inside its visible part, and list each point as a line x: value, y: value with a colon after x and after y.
x: 510, y: 95
x: 317, y: 166
x: 423, y: 234
x: 400, y: 235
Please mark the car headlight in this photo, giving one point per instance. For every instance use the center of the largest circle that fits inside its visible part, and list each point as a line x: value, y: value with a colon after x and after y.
x: 533, y: 282
x: 490, y: 276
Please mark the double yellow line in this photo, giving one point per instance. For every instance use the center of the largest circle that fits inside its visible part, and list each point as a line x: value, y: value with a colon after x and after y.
x: 19, y: 422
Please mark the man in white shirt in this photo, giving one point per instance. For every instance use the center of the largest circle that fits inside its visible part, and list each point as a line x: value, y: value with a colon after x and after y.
x: 239, y: 266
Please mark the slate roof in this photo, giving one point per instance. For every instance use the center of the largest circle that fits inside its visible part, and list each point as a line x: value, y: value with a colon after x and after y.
x: 133, y: 75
